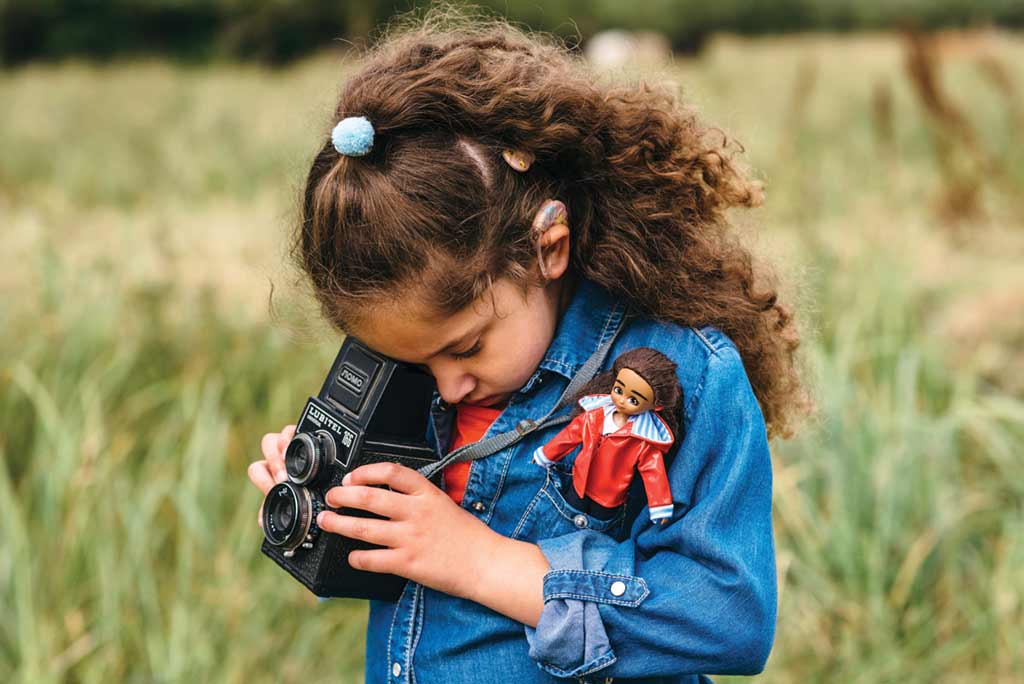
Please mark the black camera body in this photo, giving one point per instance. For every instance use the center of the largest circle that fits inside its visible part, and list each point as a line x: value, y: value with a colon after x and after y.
x: 370, y: 408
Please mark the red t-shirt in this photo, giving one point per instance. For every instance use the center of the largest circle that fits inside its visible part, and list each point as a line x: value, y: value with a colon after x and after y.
x: 471, y: 422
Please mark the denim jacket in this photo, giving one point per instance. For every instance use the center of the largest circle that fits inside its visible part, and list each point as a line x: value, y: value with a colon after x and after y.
x: 624, y: 599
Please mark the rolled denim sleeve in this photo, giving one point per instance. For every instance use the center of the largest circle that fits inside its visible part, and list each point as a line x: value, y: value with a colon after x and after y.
x: 696, y: 595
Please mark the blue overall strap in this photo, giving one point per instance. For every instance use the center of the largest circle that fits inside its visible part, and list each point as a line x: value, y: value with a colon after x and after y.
x: 494, y: 444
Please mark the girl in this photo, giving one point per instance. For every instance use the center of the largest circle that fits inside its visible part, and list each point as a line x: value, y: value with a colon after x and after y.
x: 486, y: 208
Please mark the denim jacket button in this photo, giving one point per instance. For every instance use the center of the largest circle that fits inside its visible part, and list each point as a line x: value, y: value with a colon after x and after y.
x: 580, y: 520
x: 479, y: 506
x: 396, y: 669
x: 618, y: 588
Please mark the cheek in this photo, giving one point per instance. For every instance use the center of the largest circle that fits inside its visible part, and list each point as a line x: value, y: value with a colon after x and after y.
x: 509, y: 371
x: 513, y: 364
x: 520, y: 343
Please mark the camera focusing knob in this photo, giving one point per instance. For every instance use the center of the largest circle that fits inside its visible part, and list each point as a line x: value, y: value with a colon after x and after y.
x: 307, y: 542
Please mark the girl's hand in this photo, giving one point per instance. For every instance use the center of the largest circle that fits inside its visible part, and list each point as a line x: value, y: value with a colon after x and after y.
x: 429, y: 538
x: 270, y: 471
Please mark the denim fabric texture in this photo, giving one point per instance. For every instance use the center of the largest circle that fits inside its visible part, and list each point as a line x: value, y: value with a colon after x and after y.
x: 624, y: 599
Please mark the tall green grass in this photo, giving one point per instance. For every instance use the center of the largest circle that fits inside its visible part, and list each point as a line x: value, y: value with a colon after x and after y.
x: 131, y: 550
x: 140, y: 369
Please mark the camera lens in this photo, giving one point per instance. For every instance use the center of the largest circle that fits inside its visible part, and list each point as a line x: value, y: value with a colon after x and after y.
x: 284, y: 513
x: 306, y: 454
x: 288, y: 513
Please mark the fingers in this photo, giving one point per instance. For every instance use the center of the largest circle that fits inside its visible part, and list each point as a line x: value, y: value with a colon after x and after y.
x: 273, y: 451
x: 373, y: 499
x: 375, y: 560
x: 270, y: 471
x: 398, y: 477
x: 269, y: 447
x: 284, y: 437
x: 260, y: 474
x: 367, y: 529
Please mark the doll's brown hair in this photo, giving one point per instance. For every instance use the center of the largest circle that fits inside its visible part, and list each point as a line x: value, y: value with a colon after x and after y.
x: 434, y: 209
x: 656, y: 369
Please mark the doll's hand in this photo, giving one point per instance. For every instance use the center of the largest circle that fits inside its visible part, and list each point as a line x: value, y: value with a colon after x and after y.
x: 270, y: 471
x: 539, y: 458
x: 429, y: 538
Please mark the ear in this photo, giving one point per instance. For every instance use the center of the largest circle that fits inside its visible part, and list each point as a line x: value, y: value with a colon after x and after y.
x: 551, y: 235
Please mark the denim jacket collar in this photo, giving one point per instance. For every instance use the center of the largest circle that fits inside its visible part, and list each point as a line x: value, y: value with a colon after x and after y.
x: 591, y: 317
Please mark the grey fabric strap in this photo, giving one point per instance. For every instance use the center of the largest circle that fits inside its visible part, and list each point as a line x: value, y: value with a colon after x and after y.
x: 495, y: 443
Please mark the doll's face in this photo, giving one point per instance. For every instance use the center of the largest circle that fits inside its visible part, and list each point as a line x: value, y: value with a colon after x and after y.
x: 631, y: 393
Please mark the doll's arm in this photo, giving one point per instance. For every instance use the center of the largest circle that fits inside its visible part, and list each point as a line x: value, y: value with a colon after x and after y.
x: 695, y: 595
x: 562, y: 443
x: 651, y: 465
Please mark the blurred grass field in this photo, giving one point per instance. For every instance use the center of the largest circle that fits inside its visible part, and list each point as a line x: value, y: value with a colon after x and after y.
x: 144, y: 209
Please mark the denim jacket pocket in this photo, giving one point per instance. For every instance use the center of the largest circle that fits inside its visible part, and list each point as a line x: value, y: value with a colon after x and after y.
x: 549, y: 515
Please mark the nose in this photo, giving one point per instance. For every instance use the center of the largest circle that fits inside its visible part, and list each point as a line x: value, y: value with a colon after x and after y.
x: 453, y: 383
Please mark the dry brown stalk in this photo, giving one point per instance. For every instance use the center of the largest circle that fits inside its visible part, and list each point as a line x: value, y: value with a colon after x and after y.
x: 882, y: 115
x: 963, y: 163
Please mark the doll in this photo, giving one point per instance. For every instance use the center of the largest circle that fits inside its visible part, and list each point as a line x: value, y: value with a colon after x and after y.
x: 629, y: 428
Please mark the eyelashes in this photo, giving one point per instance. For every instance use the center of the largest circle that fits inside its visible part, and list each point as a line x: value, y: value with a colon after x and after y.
x: 472, y: 351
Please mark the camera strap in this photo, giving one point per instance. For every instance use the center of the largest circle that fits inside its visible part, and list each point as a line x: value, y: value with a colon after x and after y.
x: 485, y: 447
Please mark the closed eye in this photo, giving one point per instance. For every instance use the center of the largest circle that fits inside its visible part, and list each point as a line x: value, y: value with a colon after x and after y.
x: 472, y: 351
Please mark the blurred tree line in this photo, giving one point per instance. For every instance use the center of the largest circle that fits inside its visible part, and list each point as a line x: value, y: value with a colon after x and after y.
x: 276, y: 31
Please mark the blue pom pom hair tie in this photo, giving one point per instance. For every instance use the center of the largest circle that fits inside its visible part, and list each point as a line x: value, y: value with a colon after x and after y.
x: 353, y: 136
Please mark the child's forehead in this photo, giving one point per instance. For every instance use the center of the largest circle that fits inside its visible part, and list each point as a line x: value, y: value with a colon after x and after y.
x: 412, y: 331
x: 412, y: 328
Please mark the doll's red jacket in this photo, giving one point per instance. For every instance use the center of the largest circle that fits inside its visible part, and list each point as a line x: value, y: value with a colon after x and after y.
x: 604, y: 467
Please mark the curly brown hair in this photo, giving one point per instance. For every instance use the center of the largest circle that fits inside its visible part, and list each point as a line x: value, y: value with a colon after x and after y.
x: 434, y: 206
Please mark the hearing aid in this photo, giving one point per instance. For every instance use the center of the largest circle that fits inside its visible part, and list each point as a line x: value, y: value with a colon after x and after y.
x: 551, y: 213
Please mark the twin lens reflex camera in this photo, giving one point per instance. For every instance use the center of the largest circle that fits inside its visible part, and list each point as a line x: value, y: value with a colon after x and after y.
x: 371, y: 408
